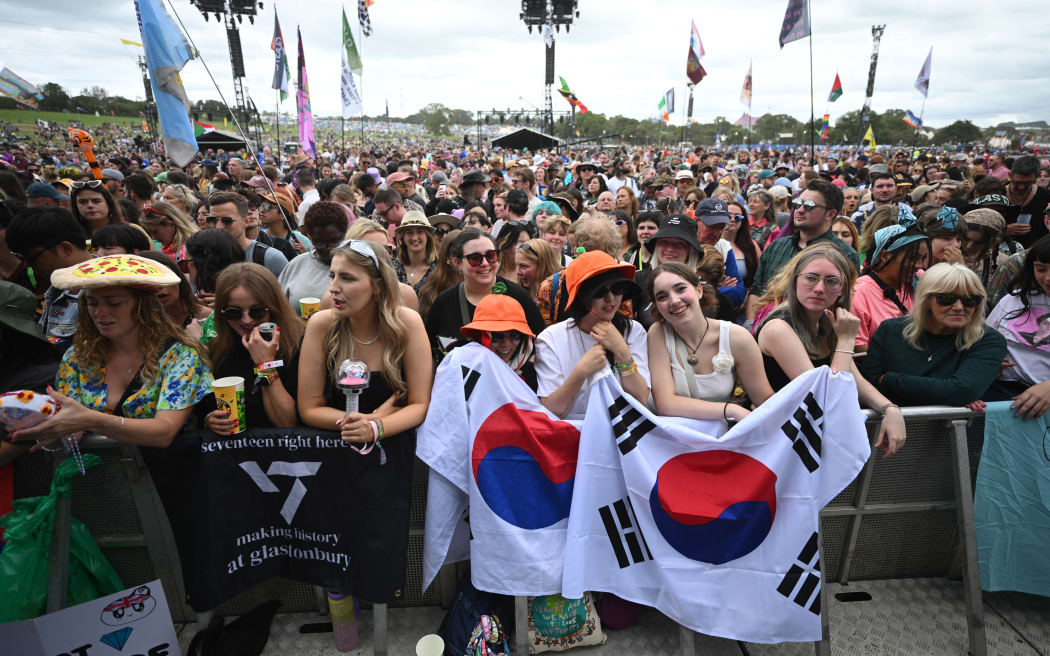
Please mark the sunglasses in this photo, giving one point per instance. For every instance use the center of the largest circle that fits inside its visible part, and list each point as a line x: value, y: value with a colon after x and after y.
x: 616, y: 288
x: 807, y: 204
x: 184, y: 265
x: 441, y: 232
x: 510, y: 336
x: 736, y: 218
x: 490, y: 256
x: 90, y: 184
x: 256, y: 312
x: 214, y: 220
x: 362, y: 247
x: 968, y: 300
x: 148, y: 209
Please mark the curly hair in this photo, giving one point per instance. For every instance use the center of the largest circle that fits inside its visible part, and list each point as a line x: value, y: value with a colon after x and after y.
x: 156, y: 330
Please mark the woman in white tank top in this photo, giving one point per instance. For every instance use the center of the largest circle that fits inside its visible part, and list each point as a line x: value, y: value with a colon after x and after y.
x: 693, y: 360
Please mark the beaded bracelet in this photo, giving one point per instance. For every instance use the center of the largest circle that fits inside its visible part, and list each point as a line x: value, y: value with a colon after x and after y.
x: 621, y: 366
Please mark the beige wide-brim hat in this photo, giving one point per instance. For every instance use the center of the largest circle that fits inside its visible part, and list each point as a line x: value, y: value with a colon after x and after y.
x: 114, y: 270
x: 414, y: 219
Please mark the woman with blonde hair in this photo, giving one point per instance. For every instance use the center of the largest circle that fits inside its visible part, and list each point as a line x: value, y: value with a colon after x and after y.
x: 416, y: 255
x: 246, y: 297
x: 169, y: 225
x: 368, y: 323
x: 942, y: 353
x: 812, y: 327
x: 181, y: 197
x: 534, y: 261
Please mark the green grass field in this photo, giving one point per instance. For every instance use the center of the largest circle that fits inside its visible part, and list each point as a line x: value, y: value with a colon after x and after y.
x: 24, y: 120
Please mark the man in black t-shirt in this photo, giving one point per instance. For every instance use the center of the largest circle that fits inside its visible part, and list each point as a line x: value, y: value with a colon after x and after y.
x: 1031, y: 198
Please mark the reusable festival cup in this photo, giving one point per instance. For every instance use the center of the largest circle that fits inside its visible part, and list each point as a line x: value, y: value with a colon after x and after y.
x: 229, y: 396
x: 307, y: 306
x: 430, y: 645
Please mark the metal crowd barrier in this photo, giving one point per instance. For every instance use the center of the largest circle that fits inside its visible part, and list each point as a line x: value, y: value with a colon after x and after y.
x: 903, y: 517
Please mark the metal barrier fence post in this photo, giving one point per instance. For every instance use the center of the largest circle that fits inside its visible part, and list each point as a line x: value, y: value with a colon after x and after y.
x: 58, y: 574
x: 687, y: 640
x: 379, y: 628
x: 521, y: 625
x: 967, y: 529
x: 822, y: 647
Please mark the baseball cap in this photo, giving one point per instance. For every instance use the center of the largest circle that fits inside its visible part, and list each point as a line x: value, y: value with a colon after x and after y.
x: 684, y: 174
x: 765, y: 174
x: 258, y: 182
x: 44, y: 190
x: 712, y: 211
x: 113, y: 174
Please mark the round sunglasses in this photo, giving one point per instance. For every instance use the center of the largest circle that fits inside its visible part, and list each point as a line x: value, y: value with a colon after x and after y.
x: 256, y: 313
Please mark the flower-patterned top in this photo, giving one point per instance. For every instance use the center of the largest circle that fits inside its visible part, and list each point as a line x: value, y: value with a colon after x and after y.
x: 182, y: 380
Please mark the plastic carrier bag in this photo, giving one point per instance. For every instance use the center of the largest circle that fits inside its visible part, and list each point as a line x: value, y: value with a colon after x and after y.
x: 25, y: 560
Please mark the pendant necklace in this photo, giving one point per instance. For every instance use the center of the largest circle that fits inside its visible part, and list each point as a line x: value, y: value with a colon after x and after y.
x: 692, y: 359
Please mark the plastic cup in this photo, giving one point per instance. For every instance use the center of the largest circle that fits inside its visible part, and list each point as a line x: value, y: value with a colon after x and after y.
x: 430, y: 645
x: 307, y: 306
x: 229, y: 396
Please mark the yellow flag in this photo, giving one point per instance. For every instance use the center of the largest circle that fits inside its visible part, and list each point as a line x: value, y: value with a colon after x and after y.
x: 224, y: 122
x: 869, y: 138
x: 130, y: 43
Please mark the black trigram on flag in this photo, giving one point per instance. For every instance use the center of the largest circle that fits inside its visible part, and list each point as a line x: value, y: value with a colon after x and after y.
x: 625, y: 535
x: 470, y: 379
x: 623, y: 415
x: 807, y: 421
x: 808, y: 570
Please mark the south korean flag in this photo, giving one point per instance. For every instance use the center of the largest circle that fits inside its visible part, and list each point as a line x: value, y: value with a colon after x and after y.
x: 718, y: 533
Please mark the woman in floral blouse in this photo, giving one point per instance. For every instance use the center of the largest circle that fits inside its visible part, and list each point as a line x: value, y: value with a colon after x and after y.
x: 131, y: 373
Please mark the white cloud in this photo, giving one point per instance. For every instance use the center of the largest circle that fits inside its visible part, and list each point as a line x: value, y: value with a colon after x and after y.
x: 989, y: 62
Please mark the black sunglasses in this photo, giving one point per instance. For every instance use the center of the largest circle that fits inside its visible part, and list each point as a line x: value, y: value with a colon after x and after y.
x: 617, y: 289
x: 184, y: 265
x: 256, y: 313
x: 510, y: 335
x: 90, y: 184
x: 214, y: 220
x: 968, y: 300
x: 490, y: 256
x: 441, y: 232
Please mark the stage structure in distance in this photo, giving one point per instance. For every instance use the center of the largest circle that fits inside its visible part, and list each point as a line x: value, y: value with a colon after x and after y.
x: 549, y: 14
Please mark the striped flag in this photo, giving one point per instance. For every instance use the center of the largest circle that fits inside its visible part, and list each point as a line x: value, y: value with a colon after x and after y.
x: 569, y: 96
x: 281, y: 74
x: 693, y: 69
x: 745, y: 92
x: 912, y: 120
x: 667, y: 104
x: 825, y: 126
x: 302, y: 104
x: 836, y: 89
x: 202, y: 128
x: 363, y: 18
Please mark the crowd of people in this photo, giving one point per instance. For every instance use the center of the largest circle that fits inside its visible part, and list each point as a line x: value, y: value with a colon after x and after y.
x: 706, y: 280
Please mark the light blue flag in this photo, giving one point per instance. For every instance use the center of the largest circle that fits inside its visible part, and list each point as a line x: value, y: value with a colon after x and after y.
x: 166, y: 53
x: 1011, y: 507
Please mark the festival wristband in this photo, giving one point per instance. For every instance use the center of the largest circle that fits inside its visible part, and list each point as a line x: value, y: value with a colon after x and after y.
x: 622, y: 366
x: 273, y: 364
x: 375, y: 429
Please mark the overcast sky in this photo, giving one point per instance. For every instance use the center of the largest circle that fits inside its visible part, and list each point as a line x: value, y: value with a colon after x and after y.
x: 990, y: 63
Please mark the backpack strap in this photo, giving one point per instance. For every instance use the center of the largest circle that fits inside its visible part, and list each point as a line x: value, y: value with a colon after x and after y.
x: 259, y: 253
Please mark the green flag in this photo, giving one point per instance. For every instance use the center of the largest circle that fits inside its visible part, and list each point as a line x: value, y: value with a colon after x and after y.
x: 352, y: 58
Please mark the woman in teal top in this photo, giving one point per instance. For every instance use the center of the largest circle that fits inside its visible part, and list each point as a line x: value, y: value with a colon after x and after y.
x: 942, y: 353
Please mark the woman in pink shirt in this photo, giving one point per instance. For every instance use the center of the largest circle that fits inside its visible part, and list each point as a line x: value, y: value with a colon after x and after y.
x: 887, y: 289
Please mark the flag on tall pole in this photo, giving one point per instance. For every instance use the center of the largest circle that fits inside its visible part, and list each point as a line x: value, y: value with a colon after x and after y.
x: 353, y: 59
x: 745, y: 91
x: 825, y: 126
x: 352, y: 104
x: 167, y: 52
x: 796, y: 22
x: 869, y: 138
x: 693, y: 69
x: 666, y: 105
x: 569, y: 96
x: 281, y: 74
x: 912, y: 120
x: 922, y: 82
x: 363, y: 18
x: 836, y: 89
x: 302, y: 104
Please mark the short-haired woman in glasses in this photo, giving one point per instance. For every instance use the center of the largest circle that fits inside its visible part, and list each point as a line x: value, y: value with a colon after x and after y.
x: 812, y: 327
x: 942, y: 353
x: 474, y: 254
x: 367, y: 322
x: 247, y: 296
x: 93, y: 206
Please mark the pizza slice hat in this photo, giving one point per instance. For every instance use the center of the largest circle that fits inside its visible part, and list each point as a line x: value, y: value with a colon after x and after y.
x: 113, y: 270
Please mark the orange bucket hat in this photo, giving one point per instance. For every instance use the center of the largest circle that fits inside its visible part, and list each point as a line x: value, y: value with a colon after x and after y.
x: 589, y: 265
x: 497, y: 313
